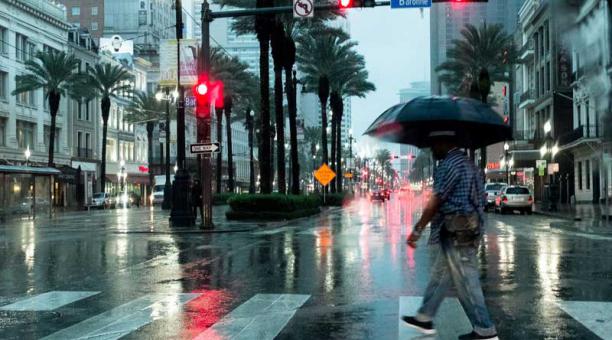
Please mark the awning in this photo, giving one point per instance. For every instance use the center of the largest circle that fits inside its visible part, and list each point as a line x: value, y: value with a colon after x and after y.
x: 131, y: 178
x: 67, y: 175
x: 20, y: 169
x: 85, y: 166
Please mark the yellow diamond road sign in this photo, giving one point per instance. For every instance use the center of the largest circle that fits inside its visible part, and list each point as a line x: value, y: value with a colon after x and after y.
x: 324, y: 175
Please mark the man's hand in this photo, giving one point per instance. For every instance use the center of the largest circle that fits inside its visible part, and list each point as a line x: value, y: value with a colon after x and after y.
x: 413, y: 239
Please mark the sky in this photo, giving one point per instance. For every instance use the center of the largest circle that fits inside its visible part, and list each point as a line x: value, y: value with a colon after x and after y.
x: 395, y: 44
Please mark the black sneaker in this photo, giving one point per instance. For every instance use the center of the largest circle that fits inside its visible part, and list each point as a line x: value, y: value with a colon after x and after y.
x: 423, y: 327
x: 475, y: 336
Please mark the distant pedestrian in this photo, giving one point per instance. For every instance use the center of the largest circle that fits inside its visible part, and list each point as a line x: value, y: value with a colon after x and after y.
x: 455, y: 211
x: 196, y: 200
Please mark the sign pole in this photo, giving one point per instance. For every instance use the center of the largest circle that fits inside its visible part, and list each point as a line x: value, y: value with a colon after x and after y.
x: 204, y: 125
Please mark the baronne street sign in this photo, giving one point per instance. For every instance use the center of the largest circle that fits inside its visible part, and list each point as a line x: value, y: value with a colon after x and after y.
x: 410, y: 3
x: 205, y: 148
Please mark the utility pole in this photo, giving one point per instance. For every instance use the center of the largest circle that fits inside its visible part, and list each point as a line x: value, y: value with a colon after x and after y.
x: 181, y: 214
x: 204, y: 123
x: 167, y: 203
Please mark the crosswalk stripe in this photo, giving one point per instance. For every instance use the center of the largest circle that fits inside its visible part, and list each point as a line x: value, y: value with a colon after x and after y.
x: 450, y: 322
x: 262, y: 317
x: 123, y: 320
x: 272, y: 231
x: 594, y: 315
x: 47, y: 301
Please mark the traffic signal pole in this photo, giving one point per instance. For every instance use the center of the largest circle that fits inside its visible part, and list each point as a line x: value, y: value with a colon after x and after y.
x: 204, y: 123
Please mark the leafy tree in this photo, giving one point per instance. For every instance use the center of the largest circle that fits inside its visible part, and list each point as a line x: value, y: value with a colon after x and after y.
x: 487, y: 47
x: 105, y: 81
x: 146, y: 109
x: 54, y: 72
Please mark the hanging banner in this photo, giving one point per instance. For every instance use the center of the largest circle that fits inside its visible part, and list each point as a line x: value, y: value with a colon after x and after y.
x: 168, y: 62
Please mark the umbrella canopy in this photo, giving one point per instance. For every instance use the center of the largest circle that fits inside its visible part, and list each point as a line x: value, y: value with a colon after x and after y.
x: 473, y: 123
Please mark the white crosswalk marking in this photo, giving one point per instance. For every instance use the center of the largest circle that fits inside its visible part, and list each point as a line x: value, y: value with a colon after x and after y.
x: 450, y: 322
x: 47, y: 301
x: 594, y: 315
x: 126, y: 318
x: 262, y: 317
x: 272, y: 231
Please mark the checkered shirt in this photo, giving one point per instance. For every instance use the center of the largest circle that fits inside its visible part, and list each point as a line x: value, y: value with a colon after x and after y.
x: 460, y: 186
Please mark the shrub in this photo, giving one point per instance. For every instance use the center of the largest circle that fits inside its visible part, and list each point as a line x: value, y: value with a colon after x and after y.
x: 222, y: 198
x: 259, y: 203
x: 334, y: 200
x: 270, y: 215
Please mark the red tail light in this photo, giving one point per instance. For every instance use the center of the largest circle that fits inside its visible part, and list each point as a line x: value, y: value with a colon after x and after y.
x: 504, y: 199
x: 530, y: 198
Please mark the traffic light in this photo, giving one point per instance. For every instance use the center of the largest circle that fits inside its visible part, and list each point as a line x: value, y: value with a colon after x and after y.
x: 344, y: 4
x: 201, y: 92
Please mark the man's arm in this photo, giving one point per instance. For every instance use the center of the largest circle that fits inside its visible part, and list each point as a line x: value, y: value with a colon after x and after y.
x: 432, y: 207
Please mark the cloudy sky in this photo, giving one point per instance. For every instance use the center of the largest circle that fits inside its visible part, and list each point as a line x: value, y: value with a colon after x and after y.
x: 395, y: 44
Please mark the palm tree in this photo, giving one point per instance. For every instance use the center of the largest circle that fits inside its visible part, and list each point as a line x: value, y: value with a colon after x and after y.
x: 320, y: 55
x: 383, y: 158
x: 53, y: 71
x: 105, y: 81
x: 480, y: 48
x: 145, y: 108
x: 347, y: 84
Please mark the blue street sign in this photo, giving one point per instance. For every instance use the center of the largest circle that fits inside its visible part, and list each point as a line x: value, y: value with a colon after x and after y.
x: 410, y: 3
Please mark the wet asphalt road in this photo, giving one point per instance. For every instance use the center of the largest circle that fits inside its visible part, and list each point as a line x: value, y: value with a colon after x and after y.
x: 341, y: 275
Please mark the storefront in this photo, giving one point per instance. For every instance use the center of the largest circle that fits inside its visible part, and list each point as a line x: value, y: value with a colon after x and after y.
x: 26, y: 191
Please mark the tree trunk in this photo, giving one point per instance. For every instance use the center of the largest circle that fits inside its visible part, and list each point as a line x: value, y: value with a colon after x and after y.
x: 230, y: 157
x: 150, y: 128
x: 54, y: 101
x: 262, y: 27
x: 280, y: 130
x: 249, y: 119
x: 105, y: 104
x: 292, y: 103
x: 323, y: 96
x: 219, y: 121
x: 333, y: 148
x: 339, y: 152
x: 277, y: 43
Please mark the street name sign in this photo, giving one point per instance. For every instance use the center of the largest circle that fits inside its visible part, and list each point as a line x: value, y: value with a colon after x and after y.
x: 303, y: 9
x: 541, y: 165
x: 205, y: 148
x: 324, y: 174
x: 410, y: 3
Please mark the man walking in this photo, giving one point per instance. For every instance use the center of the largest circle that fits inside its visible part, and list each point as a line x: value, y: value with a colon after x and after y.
x: 455, y: 211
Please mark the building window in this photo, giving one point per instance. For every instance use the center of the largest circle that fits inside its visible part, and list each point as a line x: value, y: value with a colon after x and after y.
x: 87, y: 110
x: 547, y: 78
x: 3, y: 84
x: 2, y: 131
x: 94, y: 26
x: 579, y: 175
x: 3, y: 40
x: 48, y: 137
x: 25, y: 134
x: 546, y: 37
x: 27, y: 98
x: 94, y: 11
x: 79, y: 144
x: 87, y: 141
x: 587, y: 172
x: 76, y: 11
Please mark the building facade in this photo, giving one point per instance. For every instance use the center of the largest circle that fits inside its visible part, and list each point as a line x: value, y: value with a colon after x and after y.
x: 408, y: 153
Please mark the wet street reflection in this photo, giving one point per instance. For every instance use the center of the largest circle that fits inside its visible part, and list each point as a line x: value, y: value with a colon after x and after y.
x: 345, y: 274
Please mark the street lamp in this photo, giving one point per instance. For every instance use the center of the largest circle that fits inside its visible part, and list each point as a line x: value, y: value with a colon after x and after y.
x: 27, y: 155
x: 507, y: 161
x: 552, y: 150
x: 250, y: 118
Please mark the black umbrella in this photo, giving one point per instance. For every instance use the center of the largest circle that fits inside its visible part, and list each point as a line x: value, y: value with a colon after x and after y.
x: 474, y: 123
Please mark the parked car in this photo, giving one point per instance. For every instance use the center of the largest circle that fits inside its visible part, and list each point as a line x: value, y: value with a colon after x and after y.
x: 377, y: 195
x: 101, y: 200
x: 157, y: 197
x: 491, y: 191
x: 514, y: 197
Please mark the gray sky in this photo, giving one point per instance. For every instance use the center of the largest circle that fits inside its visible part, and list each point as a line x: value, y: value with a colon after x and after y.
x: 395, y: 44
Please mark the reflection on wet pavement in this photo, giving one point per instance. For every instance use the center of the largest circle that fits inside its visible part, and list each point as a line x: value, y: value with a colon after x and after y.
x: 346, y: 274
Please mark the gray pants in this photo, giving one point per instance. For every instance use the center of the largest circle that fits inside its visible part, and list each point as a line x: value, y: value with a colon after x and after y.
x: 458, y: 266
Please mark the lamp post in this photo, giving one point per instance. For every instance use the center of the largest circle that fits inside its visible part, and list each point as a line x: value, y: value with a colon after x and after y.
x: 507, y: 161
x: 27, y: 155
x: 250, y: 118
x: 351, y: 180
x: 551, y: 150
x: 167, y: 202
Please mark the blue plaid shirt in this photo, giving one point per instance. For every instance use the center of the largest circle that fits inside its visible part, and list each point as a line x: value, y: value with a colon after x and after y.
x: 460, y: 186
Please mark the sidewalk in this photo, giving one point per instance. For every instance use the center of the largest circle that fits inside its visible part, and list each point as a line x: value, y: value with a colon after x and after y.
x: 586, y: 218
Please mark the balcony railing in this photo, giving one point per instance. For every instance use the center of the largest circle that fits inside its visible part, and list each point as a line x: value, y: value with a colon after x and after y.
x: 526, y: 96
x: 527, y: 51
x: 84, y: 153
x: 584, y: 131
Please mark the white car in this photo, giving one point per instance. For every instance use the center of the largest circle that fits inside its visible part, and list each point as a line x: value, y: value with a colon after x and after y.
x: 491, y: 191
x: 157, y: 197
x: 101, y: 200
x: 514, y: 197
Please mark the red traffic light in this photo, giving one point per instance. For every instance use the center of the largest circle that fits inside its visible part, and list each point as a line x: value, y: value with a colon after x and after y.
x: 202, y: 97
x: 201, y: 89
x: 345, y: 3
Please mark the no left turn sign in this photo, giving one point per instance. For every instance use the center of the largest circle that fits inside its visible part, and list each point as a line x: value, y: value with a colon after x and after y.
x: 303, y: 8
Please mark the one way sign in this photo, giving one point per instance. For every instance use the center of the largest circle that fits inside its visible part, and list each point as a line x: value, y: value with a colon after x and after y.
x: 205, y: 148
